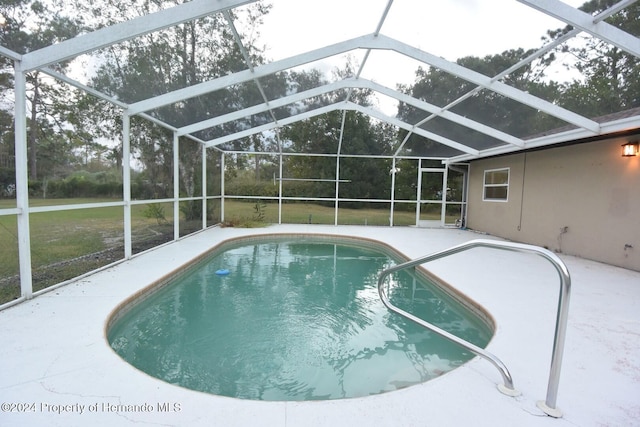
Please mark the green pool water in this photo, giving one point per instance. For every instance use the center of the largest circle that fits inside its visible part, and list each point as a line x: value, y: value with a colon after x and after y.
x: 295, y: 319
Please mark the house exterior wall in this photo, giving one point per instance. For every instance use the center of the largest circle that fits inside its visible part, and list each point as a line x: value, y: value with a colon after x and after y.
x: 581, y: 199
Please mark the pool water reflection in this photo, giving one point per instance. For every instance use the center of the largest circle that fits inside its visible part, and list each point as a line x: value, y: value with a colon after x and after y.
x: 295, y: 319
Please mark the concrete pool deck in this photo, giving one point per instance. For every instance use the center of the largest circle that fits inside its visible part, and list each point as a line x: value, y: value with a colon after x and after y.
x: 56, y: 368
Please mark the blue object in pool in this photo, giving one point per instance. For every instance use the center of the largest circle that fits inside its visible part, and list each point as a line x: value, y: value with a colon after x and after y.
x: 318, y: 329
x: 222, y: 272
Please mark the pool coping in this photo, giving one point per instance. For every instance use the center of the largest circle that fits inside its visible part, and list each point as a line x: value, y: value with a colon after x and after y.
x: 55, y: 351
x: 146, y: 292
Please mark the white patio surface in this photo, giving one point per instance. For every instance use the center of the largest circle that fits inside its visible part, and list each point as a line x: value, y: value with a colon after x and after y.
x: 57, y: 369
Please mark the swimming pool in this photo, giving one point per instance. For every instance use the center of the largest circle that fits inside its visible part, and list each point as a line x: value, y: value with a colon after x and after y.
x: 296, y: 318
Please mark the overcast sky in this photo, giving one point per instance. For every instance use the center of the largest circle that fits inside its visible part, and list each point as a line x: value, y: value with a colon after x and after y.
x: 448, y: 28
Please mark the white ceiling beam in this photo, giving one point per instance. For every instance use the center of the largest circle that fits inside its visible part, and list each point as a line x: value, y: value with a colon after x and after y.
x: 107, y: 98
x: 383, y: 42
x: 368, y: 52
x: 126, y: 30
x: 367, y: 42
x: 261, y: 108
x: 83, y: 87
x: 547, y: 48
x: 343, y: 106
x: 14, y: 56
x: 406, y: 126
x: 622, y: 4
x: 439, y: 111
x: 272, y: 125
x: 247, y: 60
x: 351, y: 83
x: 612, y: 127
x: 247, y: 75
x: 586, y: 22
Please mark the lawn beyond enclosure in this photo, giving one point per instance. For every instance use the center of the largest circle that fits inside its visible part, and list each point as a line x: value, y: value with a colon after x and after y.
x: 68, y: 243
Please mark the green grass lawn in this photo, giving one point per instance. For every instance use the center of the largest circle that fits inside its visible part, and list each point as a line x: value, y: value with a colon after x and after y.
x: 237, y: 211
x: 60, y: 236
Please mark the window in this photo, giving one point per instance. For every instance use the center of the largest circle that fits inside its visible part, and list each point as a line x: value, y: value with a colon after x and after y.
x: 496, y: 185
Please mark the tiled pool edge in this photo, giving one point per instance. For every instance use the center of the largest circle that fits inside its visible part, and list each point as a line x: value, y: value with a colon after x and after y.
x: 50, y: 355
x: 155, y: 286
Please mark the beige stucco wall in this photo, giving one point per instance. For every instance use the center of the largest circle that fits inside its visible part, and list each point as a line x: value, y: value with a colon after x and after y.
x: 588, y: 188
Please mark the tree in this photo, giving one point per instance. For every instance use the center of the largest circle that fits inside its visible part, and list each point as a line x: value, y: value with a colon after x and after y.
x: 318, y: 134
x: 273, y: 86
x: 31, y: 25
x: 441, y: 88
x: 321, y: 134
x: 174, y: 58
x: 609, y: 80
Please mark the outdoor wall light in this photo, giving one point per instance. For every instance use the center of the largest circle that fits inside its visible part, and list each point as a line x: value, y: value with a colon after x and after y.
x: 630, y: 149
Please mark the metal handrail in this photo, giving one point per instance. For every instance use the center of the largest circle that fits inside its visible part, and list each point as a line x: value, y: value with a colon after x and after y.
x: 549, y: 405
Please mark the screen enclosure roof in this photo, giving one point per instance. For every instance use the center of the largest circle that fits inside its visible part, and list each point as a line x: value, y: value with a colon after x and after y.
x: 386, y: 42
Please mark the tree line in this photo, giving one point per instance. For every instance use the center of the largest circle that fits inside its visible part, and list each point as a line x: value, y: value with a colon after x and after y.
x: 71, y: 134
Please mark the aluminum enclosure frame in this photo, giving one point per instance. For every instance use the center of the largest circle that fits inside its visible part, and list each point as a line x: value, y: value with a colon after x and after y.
x: 41, y: 59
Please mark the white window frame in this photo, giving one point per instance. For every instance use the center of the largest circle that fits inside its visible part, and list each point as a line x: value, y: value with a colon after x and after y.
x: 485, y: 186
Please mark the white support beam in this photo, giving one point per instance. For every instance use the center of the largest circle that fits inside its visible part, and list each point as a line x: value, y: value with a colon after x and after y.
x: 126, y: 30
x: 418, y: 131
x: 247, y: 60
x: 535, y: 55
x: 156, y: 121
x: 14, y: 56
x: 337, y: 183
x: 613, y: 127
x: 368, y: 52
x: 438, y: 111
x: 622, y: 4
x: 352, y: 83
x: 83, y: 87
x: 280, y: 158
x: 204, y: 165
x: 126, y: 184
x: 222, y: 167
x: 388, y: 43
x: 587, y: 23
x: 443, y: 207
x: 270, y: 126
x: 22, y: 185
x: 261, y: 108
x: 368, y: 42
x: 340, y: 106
x: 247, y: 75
x: 176, y: 186
x: 393, y: 190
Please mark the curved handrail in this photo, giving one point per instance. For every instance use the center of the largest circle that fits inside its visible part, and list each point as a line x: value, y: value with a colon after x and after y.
x: 549, y: 405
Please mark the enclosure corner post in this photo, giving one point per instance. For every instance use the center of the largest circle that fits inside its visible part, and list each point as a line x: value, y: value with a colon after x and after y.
x: 221, y: 187
x: 443, y: 207
x: 280, y: 188
x: 393, y: 189
x: 204, y: 186
x: 176, y: 186
x: 126, y: 182
x: 22, y: 183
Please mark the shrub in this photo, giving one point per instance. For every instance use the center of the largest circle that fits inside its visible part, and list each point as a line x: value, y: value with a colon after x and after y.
x: 155, y: 211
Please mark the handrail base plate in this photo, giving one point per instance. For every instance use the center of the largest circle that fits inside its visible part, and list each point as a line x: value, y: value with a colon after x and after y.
x: 552, y: 412
x: 508, y: 391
